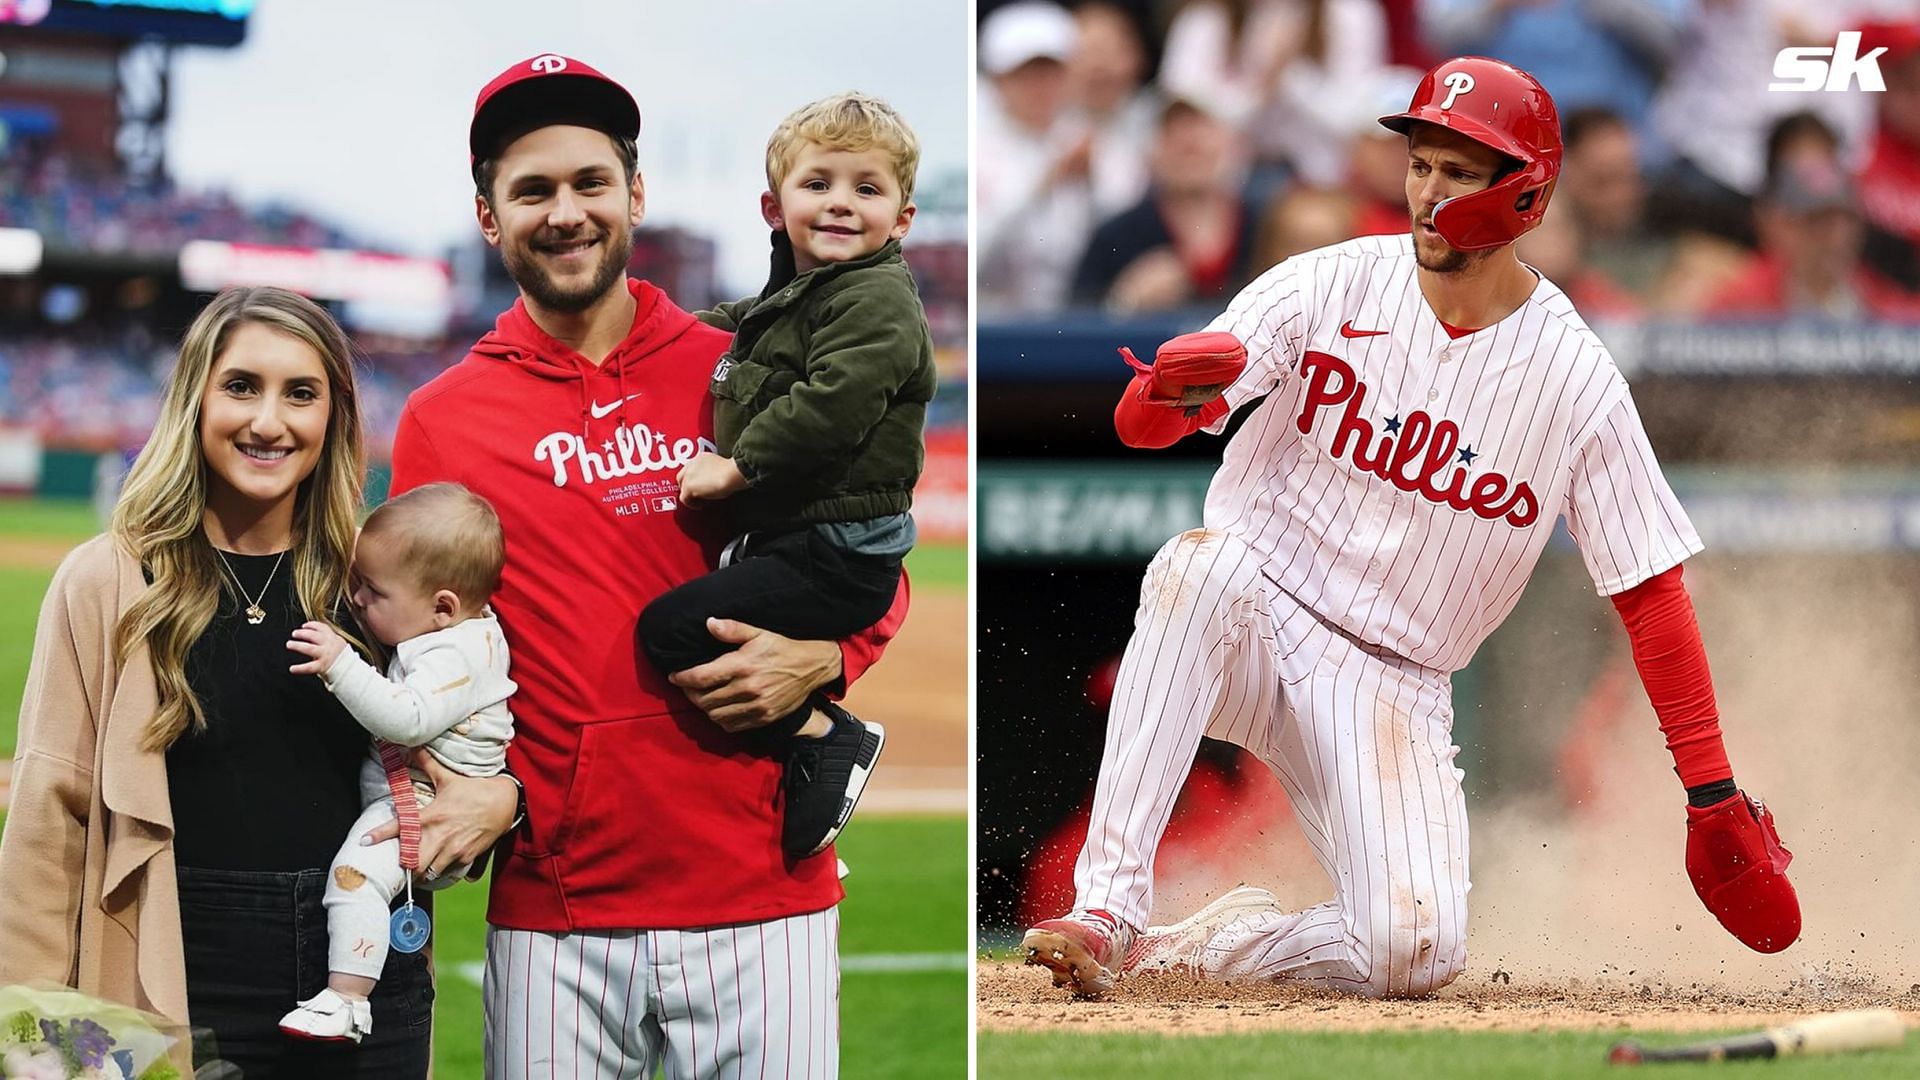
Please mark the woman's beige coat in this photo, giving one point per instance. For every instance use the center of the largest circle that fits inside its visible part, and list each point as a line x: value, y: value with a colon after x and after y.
x: 87, y: 891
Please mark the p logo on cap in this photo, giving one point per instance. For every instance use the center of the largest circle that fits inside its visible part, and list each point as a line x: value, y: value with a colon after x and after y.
x: 549, y: 88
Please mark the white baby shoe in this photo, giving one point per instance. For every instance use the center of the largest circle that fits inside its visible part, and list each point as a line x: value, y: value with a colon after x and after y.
x: 328, y: 1017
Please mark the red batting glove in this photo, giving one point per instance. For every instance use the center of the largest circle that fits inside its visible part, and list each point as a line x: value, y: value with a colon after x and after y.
x: 1190, y: 370
x: 1739, y: 869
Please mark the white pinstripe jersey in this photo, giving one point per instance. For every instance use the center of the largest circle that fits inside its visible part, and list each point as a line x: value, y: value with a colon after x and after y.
x: 1402, y: 483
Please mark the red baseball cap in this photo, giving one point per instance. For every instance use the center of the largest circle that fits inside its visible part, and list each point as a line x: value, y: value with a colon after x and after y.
x: 554, y: 88
x: 1900, y: 39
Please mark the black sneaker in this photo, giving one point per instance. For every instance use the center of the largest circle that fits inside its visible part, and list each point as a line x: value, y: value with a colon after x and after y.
x: 824, y: 779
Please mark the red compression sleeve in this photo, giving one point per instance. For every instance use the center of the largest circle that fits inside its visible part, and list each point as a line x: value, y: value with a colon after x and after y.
x: 1672, y: 661
x: 1143, y: 423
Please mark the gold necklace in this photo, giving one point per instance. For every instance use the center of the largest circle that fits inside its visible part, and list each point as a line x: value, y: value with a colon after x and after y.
x: 255, y: 613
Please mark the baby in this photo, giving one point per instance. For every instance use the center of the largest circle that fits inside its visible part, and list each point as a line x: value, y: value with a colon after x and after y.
x: 425, y: 565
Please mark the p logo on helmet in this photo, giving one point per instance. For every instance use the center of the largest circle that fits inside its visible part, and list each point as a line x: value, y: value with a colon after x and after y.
x: 1505, y: 109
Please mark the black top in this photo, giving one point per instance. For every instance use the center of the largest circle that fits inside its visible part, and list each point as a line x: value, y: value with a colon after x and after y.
x: 1121, y: 239
x: 273, y: 783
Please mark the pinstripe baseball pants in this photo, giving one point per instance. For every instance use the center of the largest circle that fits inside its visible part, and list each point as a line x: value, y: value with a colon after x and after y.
x: 1360, y: 739
x: 753, y: 1000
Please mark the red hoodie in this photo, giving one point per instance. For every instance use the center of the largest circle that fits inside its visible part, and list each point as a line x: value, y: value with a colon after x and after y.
x: 642, y: 814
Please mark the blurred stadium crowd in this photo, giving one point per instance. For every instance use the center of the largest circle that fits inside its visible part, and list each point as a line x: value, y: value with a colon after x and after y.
x: 82, y: 363
x: 97, y: 385
x: 87, y: 340
x: 83, y: 205
x: 1145, y: 155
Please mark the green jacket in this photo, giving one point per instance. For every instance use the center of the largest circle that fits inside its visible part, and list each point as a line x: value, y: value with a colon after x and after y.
x: 822, y: 396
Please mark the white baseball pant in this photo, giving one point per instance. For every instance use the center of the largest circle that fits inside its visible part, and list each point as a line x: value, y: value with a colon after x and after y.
x: 1360, y: 739
x: 758, y: 999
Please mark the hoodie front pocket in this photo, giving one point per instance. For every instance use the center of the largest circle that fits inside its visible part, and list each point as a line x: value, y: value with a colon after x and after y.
x: 653, y: 795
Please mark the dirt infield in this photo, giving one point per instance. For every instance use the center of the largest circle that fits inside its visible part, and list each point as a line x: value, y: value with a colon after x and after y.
x: 1580, y: 904
x: 919, y: 692
x: 1017, y: 998
x: 29, y: 553
x: 1585, y: 924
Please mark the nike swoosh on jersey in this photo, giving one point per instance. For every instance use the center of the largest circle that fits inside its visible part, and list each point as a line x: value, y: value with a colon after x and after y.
x: 598, y: 410
x: 1347, y: 331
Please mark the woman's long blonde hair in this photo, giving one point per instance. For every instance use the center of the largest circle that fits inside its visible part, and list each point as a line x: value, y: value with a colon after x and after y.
x: 159, y: 516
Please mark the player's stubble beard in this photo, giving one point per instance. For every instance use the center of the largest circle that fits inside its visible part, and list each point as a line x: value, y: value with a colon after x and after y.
x: 1444, y: 258
x: 523, y: 266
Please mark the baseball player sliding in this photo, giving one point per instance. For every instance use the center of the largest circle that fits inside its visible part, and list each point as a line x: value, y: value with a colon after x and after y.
x: 1431, y: 406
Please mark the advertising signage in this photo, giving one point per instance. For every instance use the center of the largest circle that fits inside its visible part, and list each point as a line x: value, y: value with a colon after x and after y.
x: 186, y: 22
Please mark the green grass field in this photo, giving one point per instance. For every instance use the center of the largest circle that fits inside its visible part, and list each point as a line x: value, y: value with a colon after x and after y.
x: 938, y: 566
x: 903, y: 930
x: 1428, y: 1055
x: 57, y: 519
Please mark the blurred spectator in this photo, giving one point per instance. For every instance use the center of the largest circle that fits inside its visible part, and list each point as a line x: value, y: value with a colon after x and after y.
x: 1701, y: 268
x: 1377, y: 157
x: 1277, y: 69
x: 1304, y: 219
x: 1557, y: 248
x: 1601, y: 178
x: 1890, y: 183
x: 1602, y: 188
x: 1585, y: 52
x: 1706, y: 260
x: 1033, y: 197
x: 1191, y: 238
x: 1405, y: 46
x: 1713, y: 111
x: 1800, y: 139
x: 1106, y: 75
x: 1809, y: 264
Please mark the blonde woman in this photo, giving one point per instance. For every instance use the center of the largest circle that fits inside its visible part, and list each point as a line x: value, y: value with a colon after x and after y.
x: 177, y: 792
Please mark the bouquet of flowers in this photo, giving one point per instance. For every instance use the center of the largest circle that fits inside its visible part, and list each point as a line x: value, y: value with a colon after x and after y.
x: 61, y: 1034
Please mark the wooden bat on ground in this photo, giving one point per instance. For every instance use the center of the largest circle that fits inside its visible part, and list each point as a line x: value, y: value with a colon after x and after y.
x: 1833, y: 1033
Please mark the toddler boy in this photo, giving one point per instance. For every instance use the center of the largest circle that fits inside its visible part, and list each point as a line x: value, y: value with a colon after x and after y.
x: 818, y: 410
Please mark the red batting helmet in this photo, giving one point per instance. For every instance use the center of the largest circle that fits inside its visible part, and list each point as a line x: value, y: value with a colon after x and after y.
x: 1499, y: 106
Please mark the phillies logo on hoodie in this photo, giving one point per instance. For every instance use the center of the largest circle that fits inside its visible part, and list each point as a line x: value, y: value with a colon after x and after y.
x: 633, y: 451
x: 1412, y: 455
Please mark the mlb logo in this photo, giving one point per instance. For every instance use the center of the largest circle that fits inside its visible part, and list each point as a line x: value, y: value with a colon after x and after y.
x: 664, y: 504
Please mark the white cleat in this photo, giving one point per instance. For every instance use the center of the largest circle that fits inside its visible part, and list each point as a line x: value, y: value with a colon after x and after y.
x: 1179, y: 947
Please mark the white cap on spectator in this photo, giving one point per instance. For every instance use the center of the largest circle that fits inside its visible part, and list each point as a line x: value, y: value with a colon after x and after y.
x: 1208, y: 105
x: 1024, y: 31
x: 1390, y: 91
